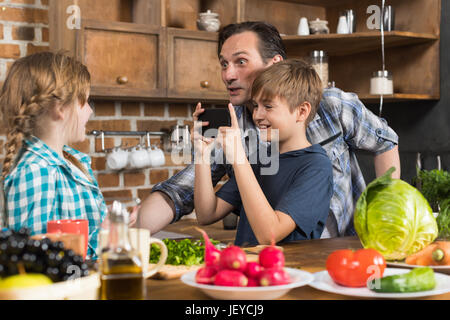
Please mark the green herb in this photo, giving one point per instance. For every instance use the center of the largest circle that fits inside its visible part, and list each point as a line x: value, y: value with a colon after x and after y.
x: 183, y: 252
x: 443, y: 219
x: 436, y: 189
x: 435, y: 185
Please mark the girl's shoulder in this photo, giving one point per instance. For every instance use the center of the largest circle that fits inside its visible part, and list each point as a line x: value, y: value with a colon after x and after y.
x: 30, y: 166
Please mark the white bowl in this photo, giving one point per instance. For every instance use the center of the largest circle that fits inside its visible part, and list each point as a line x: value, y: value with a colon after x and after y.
x: 299, y: 278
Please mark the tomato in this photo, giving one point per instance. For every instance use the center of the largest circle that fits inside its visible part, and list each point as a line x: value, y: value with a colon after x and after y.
x: 353, y: 268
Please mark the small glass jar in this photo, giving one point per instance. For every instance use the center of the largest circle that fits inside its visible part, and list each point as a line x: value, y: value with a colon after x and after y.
x: 318, y: 27
x: 319, y: 61
x: 382, y: 83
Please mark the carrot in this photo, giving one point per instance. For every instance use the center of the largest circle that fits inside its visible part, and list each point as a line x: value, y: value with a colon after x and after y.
x: 441, y: 255
x: 437, y: 253
x: 422, y: 257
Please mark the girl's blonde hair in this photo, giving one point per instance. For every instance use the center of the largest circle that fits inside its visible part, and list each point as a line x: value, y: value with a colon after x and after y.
x: 33, y: 87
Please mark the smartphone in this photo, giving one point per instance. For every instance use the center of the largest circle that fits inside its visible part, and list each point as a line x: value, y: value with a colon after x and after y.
x: 217, y: 118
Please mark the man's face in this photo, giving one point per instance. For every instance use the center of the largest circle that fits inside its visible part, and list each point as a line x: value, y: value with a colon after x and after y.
x: 240, y: 61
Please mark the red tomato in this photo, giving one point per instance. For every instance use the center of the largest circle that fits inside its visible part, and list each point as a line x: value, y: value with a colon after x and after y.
x: 353, y: 268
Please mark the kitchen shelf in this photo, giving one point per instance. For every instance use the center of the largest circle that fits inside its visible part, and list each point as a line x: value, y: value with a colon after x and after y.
x: 345, y: 44
x: 396, y: 97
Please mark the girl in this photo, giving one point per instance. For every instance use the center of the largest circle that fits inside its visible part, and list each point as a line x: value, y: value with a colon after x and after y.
x: 44, y: 106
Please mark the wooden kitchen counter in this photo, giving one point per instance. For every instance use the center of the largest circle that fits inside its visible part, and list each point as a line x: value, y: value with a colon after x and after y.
x: 308, y: 255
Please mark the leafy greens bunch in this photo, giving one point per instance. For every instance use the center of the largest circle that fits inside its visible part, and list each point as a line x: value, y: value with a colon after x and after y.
x: 183, y: 252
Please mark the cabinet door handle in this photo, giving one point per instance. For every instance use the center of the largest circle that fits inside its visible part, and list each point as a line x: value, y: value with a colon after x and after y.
x: 122, y: 80
x: 204, y: 84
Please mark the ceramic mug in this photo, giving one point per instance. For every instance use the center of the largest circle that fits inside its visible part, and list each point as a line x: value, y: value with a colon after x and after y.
x: 157, y: 157
x: 139, y: 158
x: 141, y: 241
x: 117, y: 159
x: 76, y: 226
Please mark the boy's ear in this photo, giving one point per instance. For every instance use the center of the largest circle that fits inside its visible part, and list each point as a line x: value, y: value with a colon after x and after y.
x: 303, y: 111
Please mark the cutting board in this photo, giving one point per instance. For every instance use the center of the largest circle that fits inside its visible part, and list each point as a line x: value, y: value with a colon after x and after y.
x: 168, y: 271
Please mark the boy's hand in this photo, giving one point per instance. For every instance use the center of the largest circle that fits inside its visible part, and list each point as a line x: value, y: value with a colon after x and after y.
x: 229, y: 138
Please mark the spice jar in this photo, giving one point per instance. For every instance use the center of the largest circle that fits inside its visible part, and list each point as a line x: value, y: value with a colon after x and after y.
x: 381, y: 83
x: 319, y: 61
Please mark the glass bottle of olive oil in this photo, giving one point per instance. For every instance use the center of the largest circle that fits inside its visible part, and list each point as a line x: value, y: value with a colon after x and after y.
x: 122, y: 276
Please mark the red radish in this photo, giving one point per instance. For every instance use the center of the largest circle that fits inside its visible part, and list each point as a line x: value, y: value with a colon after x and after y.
x: 212, y: 254
x: 274, y: 277
x: 271, y: 256
x: 233, y: 258
x: 206, y: 275
x: 252, y: 282
x: 230, y: 278
x: 253, y: 270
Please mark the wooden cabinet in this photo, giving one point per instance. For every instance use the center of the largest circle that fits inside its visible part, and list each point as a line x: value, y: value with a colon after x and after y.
x: 181, y: 62
x: 125, y: 60
x: 193, y: 67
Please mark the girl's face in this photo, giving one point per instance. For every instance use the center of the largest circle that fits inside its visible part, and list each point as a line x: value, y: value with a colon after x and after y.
x: 82, y: 114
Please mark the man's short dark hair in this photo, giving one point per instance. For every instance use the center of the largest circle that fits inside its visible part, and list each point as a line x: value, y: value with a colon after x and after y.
x: 270, y: 42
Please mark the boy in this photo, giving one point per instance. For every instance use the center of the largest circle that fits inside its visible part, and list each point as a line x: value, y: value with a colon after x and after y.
x: 292, y: 204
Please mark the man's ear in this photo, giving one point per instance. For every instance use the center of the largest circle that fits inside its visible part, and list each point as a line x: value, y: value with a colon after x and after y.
x: 303, y: 111
x: 277, y: 58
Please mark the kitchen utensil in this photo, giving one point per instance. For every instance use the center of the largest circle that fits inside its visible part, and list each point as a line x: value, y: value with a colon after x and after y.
x: 351, y: 20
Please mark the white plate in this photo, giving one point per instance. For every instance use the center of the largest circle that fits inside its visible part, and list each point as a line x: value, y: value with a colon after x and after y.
x: 396, y: 264
x: 323, y: 281
x: 299, y: 278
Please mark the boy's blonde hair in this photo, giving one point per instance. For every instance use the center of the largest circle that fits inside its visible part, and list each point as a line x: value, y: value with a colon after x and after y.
x: 33, y: 87
x: 294, y: 80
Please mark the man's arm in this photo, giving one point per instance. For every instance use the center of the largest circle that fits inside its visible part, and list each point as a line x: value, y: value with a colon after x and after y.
x: 386, y: 160
x: 156, y: 212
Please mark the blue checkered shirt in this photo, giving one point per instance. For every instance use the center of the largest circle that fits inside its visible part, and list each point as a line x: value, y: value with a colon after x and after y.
x: 43, y: 187
x: 342, y: 125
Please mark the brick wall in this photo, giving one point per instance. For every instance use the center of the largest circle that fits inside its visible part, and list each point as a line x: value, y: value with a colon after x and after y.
x: 23, y: 31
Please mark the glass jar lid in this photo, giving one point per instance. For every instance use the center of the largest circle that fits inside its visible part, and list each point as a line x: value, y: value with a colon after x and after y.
x: 382, y: 74
x: 318, y: 54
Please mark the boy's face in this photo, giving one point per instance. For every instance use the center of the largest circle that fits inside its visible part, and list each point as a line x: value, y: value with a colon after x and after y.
x: 274, y: 114
x: 240, y: 61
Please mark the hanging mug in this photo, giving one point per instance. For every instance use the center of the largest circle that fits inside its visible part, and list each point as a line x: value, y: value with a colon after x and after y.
x: 117, y: 159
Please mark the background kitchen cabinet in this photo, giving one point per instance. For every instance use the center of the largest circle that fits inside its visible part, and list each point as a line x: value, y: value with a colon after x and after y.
x: 193, y: 66
x: 411, y: 50
x: 125, y: 60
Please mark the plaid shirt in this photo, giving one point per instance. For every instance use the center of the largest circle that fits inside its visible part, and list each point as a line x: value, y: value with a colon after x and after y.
x: 342, y: 125
x: 43, y: 187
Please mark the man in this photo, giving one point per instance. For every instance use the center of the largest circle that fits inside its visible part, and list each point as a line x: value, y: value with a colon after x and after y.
x: 341, y: 125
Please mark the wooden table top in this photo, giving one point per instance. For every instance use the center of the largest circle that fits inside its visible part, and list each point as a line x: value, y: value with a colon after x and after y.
x: 309, y: 255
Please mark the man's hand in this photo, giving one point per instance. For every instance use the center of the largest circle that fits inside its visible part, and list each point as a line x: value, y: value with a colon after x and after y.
x: 202, y: 145
x: 229, y: 138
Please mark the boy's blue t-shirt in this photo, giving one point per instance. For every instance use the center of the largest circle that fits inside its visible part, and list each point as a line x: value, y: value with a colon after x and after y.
x: 302, y: 188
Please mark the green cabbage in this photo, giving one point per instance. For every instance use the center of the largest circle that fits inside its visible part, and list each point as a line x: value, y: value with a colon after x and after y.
x: 394, y: 218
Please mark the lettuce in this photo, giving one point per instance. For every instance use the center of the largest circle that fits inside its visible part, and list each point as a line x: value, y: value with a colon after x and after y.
x: 394, y: 218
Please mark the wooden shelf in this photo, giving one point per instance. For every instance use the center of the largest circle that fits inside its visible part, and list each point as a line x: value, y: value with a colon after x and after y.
x: 347, y: 44
x: 396, y: 97
x: 319, y: 3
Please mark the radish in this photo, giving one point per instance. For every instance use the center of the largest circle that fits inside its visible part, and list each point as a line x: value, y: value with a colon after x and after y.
x: 252, y: 282
x: 274, y: 277
x: 206, y: 275
x: 271, y: 256
x: 253, y: 270
x: 233, y: 258
x: 230, y: 278
x: 212, y: 254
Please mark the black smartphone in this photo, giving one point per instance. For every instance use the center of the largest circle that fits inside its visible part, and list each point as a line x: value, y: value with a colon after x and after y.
x: 217, y: 118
